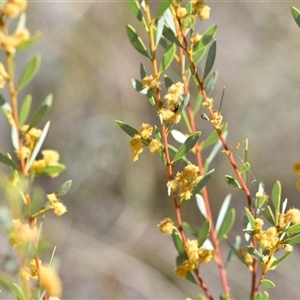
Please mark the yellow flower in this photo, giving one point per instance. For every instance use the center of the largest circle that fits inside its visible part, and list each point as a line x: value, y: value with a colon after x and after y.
x: 184, y: 268
x: 58, y: 207
x: 150, y: 82
x: 205, y: 255
x: 195, y: 39
x: 10, y: 43
x: 136, y: 147
x: 31, y: 136
x: 191, y: 248
x: 21, y: 234
x: 185, y: 182
x: 155, y: 146
x: 3, y: 75
x: 293, y: 215
x: 14, y: 7
x: 145, y: 131
x: 182, y: 12
x: 204, y: 13
x: 296, y: 168
x: 166, y: 226
x: 50, y: 281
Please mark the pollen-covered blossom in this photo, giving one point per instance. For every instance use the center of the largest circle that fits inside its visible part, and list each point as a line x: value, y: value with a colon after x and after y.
x: 150, y: 82
x: 155, y: 146
x: 208, y: 103
x: 10, y: 42
x: 50, y: 281
x: 268, y: 239
x: 217, y: 119
x: 31, y: 136
x: 195, y: 39
x: 50, y: 159
x: 182, y: 12
x: 202, y: 10
x: 145, y: 131
x: 31, y: 271
x: 14, y: 7
x: 136, y: 147
x: 170, y: 113
x: 185, y: 182
x: 58, y: 207
x: 196, y: 255
x: 21, y: 234
x: 166, y: 226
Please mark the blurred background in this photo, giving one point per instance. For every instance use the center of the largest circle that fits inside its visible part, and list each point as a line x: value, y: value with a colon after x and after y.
x: 108, y: 243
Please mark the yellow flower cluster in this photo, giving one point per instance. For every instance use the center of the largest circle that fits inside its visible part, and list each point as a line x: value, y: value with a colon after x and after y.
x: 170, y: 114
x: 3, y: 76
x: 291, y: 216
x: 185, y: 182
x: 166, y: 226
x: 50, y: 281
x: 10, y: 42
x: 150, y: 82
x: 21, y: 234
x: 58, y: 207
x: 202, y: 10
x: 196, y: 255
x: 142, y: 139
x: 30, y: 272
x: 217, y: 119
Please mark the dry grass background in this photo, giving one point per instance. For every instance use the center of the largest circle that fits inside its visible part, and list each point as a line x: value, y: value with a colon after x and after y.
x: 108, y: 243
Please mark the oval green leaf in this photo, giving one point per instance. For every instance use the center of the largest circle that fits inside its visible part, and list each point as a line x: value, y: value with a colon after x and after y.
x: 127, y: 128
x: 178, y: 242
x: 211, y: 82
x: 198, y: 55
x: 268, y: 283
x: 276, y: 199
x: 207, y: 36
x: 232, y: 182
x: 245, y: 167
x: 268, y: 214
x: 29, y: 43
x: 227, y: 224
x: 63, y: 189
x: 167, y: 58
x: 30, y: 71
x: 188, y: 228
x: 135, y: 7
x: 250, y: 218
x: 136, y: 41
x: 296, y: 15
x: 41, y: 111
x: 203, y: 232
x: 25, y: 109
x: 187, y: 146
x: 203, y: 182
x: 164, y: 5
x: 210, y: 60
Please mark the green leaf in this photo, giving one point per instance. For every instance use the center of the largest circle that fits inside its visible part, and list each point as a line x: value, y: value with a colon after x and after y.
x: 227, y: 224
x: 255, y: 254
x: 191, y: 230
x: 276, y: 199
x: 29, y: 43
x: 187, y: 146
x: 198, y: 55
x: 159, y: 29
x: 213, y: 137
x: 167, y: 58
x: 5, y: 282
x: 164, y: 5
x: 136, y: 10
x: 203, y: 182
x: 268, y: 214
x: 250, y: 218
x: 41, y: 111
x: 268, y: 283
x: 293, y: 229
x: 168, y: 81
x: 209, y: 86
x: 280, y: 260
x: 25, y: 109
x: 178, y: 242
x: 30, y: 71
x: 143, y: 72
x: 169, y: 35
x: 233, y: 252
x: 51, y: 170
x: 173, y: 150
x: 232, y: 182
x: 127, y: 128
x: 63, y: 189
x: 296, y: 15
x: 261, y: 296
x: 6, y: 160
x: 203, y: 232
x: 198, y: 103
x: 136, y: 41
x: 210, y: 60
x: 17, y: 292
x: 151, y: 100
x: 245, y: 167
x: 293, y: 240
x: 207, y: 36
